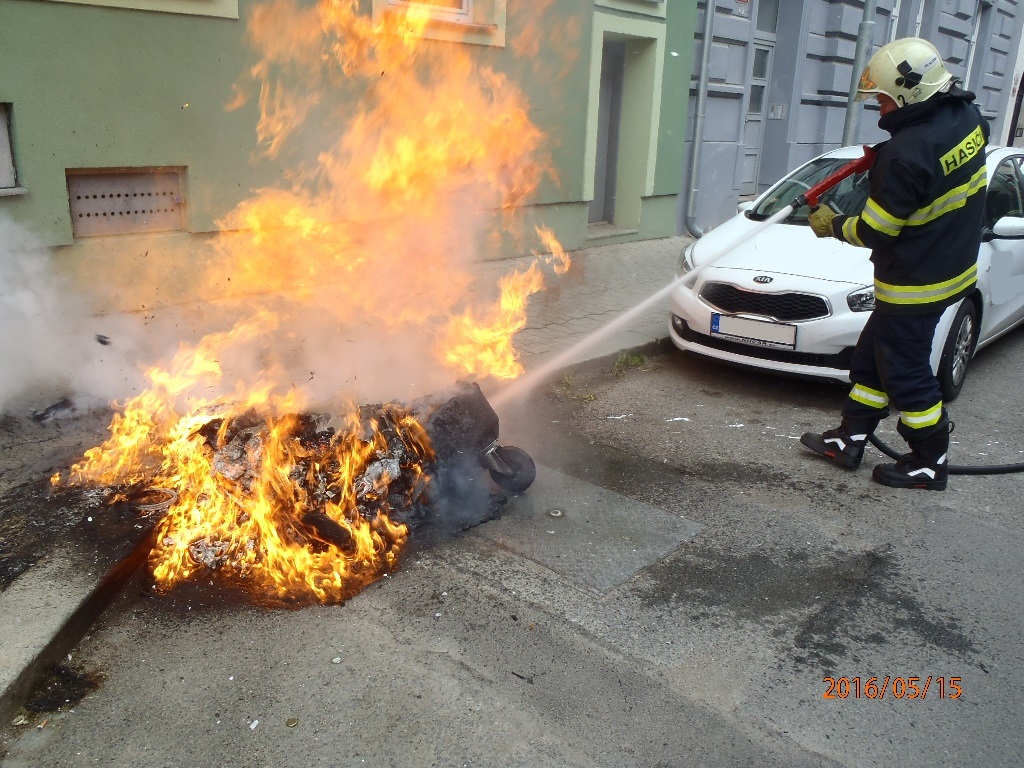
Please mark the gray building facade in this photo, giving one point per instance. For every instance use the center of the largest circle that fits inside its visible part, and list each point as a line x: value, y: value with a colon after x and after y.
x: 779, y: 75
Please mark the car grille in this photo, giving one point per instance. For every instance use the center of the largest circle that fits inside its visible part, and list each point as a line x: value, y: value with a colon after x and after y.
x: 787, y: 307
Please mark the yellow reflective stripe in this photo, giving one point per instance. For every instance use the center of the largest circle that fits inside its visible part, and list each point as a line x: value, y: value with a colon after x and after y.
x: 925, y: 294
x: 873, y: 398
x: 951, y: 201
x: 850, y: 231
x: 876, y: 217
x: 922, y: 419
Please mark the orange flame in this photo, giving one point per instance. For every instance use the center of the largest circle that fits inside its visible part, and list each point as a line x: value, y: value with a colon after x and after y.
x: 244, y: 507
x: 483, y: 347
x: 390, y: 197
x: 438, y: 150
x: 259, y: 530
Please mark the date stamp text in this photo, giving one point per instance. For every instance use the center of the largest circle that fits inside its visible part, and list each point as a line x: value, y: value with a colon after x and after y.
x: 913, y: 688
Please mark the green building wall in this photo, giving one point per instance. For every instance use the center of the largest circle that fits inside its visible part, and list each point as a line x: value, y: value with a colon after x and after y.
x: 102, y: 87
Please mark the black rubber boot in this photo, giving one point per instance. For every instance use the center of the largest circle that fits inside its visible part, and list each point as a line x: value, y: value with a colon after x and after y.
x: 924, y: 467
x: 844, y: 445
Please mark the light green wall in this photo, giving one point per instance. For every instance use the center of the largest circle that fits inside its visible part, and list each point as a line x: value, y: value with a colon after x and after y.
x: 650, y: 150
x: 682, y: 18
x: 105, y: 87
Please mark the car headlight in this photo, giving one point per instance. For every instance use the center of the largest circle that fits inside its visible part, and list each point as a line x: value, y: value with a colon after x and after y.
x: 862, y: 300
x: 685, y: 260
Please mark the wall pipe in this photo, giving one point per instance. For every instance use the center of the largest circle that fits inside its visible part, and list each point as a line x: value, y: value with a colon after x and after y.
x: 865, y: 34
x: 1011, y: 135
x: 693, y: 176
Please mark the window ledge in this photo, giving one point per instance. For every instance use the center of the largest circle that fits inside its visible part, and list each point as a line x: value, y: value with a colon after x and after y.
x: 602, y: 230
x: 467, y: 26
x: 485, y: 27
x: 13, y: 191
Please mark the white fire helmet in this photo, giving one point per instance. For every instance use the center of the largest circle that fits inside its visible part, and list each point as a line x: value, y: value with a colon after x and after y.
x: 908, y: 71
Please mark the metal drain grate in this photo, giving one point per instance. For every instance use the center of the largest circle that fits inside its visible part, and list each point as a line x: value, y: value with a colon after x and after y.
x: 125, y: 201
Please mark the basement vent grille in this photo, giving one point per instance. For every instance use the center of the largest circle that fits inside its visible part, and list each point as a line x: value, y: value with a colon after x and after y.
x: 125, y: 201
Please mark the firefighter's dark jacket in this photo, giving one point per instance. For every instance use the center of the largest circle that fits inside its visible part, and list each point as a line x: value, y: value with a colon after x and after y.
x: 923, y: 218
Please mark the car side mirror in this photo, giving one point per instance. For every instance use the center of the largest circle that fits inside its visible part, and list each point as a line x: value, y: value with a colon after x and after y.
x: 744, y: 205
x: 1009, y: 227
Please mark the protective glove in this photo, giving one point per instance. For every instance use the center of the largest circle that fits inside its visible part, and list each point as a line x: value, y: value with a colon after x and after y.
x: 821, y: 221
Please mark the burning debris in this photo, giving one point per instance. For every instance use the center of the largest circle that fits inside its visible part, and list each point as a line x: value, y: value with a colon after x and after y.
x: 295, y: 509
x: 440, y: 147
x: 61, y: 408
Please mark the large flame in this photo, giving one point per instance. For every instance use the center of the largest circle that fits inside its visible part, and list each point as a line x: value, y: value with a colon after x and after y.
x: 392, y: 198
x: 483, y: 346
x: 390, y: 194
x: 295, y: 514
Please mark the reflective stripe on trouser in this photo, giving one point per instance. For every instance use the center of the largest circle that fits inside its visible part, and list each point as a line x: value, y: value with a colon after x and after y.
x: 891, y: 367
x: 922, y: 420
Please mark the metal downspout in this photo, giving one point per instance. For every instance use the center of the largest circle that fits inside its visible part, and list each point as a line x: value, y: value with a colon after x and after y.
x: 864, y: 40
x: 1012, y: 135
x: 698, y: 122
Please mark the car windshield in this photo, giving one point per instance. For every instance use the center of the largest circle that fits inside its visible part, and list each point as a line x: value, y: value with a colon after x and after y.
x: 847, y: 197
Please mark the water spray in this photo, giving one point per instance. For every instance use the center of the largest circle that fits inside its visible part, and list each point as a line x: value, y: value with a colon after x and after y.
x: 524, y: 384
x: 810, y: 198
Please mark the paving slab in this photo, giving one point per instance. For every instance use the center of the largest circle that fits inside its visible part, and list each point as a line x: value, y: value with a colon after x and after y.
x: 53, y: 586
x: 593, y: 536
x: 50, y: 606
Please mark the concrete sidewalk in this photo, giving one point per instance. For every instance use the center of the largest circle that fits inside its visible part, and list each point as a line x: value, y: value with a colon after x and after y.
x: 50, y: 599
x: 601, y: 284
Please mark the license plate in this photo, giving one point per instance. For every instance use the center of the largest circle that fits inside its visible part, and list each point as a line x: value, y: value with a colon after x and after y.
x: 755, y: 332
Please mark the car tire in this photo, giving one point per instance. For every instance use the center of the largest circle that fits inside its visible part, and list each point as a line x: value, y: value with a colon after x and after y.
x: 958, y: 351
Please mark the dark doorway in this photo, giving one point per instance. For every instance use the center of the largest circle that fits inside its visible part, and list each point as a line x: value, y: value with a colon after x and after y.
x: 609, y: 118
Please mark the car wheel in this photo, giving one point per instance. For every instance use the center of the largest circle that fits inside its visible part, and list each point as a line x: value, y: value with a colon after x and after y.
x: 958, y: 351
x: 524, y: 471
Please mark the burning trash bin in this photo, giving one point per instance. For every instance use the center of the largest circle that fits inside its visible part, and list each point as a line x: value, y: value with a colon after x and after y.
x: 297, y: 510
x: 463, y: 427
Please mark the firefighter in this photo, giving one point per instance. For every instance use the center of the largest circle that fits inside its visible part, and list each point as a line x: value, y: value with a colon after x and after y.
x: 922, y: 221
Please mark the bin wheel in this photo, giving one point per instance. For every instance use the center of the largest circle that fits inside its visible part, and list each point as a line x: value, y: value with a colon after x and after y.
x: 524, y: 471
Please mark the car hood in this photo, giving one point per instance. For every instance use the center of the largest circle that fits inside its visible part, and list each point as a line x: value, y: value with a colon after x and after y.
x: 788, y: 249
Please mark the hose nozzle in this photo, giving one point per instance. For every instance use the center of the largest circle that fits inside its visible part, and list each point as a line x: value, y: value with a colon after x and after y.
x: 811, y: 197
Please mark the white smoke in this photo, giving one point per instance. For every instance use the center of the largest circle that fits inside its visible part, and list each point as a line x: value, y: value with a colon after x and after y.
x: 51, y: 345
x: 55, y: 345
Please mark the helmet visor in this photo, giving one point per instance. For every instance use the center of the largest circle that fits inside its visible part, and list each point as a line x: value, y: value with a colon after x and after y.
x: 867, y: 87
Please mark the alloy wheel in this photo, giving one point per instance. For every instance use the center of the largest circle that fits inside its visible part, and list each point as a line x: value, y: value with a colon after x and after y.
x: 962, y: 349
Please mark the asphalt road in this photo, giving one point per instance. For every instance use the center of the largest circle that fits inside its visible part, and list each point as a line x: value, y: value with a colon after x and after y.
x: 703, y: 580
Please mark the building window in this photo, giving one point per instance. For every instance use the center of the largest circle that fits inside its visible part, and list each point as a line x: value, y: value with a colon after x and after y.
x: 454, y: 10
x: 8, y: 170
x: 122, y: 201
x: 8, y: 178
x: 480, y: 22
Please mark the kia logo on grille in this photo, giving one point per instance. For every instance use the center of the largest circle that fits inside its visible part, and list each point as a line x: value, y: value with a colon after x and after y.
x: 762, y: 279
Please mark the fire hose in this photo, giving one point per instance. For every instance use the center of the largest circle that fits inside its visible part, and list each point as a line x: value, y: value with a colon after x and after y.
x: 953, y: 469
x: 811, y: 199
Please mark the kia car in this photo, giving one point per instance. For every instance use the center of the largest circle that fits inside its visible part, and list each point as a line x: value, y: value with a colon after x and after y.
x: 773, y: 296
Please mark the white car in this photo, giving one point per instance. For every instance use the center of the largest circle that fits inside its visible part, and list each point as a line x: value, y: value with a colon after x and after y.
x: 774, y: 296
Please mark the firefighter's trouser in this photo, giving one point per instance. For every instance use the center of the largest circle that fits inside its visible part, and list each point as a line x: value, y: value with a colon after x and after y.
x: 891, y: 368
